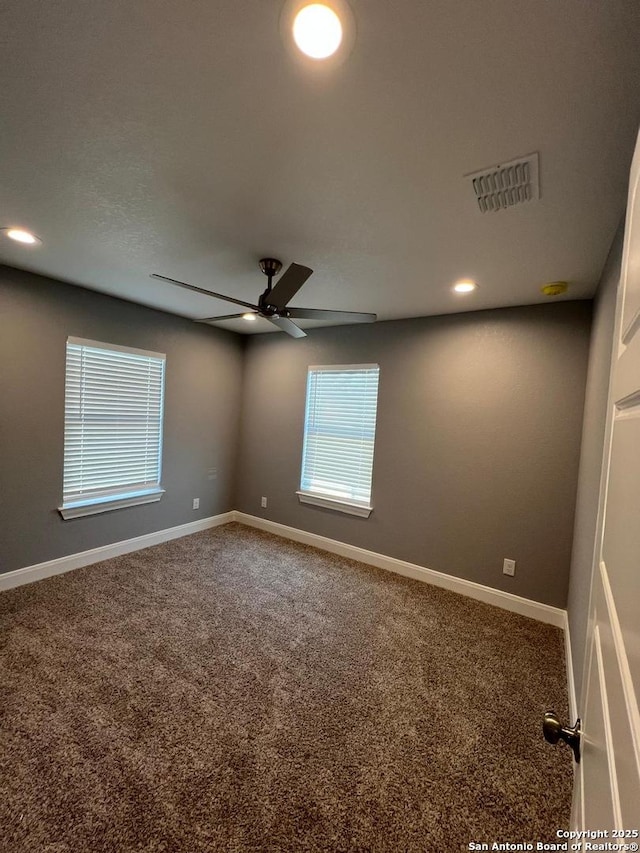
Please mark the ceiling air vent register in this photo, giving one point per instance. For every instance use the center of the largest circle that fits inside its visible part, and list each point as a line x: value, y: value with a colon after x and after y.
x: 505, y: 185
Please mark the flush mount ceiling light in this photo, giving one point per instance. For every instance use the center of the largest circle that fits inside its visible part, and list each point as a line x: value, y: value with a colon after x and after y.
x: 22, y: 236
x: 250, y: 317
x: 318, y: 36
x: 465, y: 286
x: 317, y: 31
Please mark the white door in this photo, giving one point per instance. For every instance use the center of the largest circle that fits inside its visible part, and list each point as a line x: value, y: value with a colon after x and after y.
x: 607, y: 795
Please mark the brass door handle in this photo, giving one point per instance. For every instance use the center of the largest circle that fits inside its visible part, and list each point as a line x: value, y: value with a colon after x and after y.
x: 554, y: 731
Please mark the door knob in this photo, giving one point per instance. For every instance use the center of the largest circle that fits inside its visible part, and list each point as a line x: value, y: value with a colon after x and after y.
x: 554, y: 731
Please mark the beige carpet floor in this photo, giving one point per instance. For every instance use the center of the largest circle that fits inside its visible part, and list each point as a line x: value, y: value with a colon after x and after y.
x: 232, y: 691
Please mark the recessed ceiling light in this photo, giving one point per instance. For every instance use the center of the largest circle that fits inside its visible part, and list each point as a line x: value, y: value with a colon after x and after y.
x: 248, y: 316
x: 465, y: 286
x: 317, y: 31
x: 22, y: 236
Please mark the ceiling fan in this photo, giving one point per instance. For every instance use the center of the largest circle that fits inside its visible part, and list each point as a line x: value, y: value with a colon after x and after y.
x: 272, y: 304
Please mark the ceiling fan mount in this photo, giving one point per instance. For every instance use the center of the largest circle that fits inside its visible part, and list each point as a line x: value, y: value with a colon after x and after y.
x: 273, y: 303
x: 270, y: 267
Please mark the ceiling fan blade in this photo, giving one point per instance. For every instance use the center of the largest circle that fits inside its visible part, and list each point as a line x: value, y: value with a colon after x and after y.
x: 321, y: 314
x: 202, y: 290
x: 288, y: 285
x: 226, y: 317
x: 287, y: 326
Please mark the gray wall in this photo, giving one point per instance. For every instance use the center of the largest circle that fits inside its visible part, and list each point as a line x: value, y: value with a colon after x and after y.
x: 595, y: 412
x: 477, y: 445
x: 477, y: 442
x: 203, y: 388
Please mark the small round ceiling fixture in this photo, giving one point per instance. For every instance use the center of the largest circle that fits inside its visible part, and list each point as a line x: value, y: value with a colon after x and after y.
x: 250, y: 317
x: 466, y: 286
x: 318, y: 35
x: 317, y: 31
x: 555, y: 288
x: 22, y: 236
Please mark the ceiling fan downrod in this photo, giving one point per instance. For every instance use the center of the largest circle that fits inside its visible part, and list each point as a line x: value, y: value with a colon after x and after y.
x: 270, y: 267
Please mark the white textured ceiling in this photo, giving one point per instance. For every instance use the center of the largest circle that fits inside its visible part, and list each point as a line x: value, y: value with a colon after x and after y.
x: 184, y: 138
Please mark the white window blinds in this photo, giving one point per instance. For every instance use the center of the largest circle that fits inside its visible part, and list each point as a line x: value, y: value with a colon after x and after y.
x: 112, y: 421
x: 339, y: 432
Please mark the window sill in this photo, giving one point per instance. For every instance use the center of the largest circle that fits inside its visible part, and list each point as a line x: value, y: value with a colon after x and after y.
x: 92, y: 506
x: 362, y: 510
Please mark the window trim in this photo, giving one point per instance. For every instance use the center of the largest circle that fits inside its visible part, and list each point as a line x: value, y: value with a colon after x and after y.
x: 92, y: 506
x: 85, y: 342
x: 130, y: 495
x: 327, y: 502
x: 363, y: 509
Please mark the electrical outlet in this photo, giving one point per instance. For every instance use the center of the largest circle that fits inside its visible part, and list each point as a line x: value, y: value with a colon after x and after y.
x: 509, y: 567
x: 263, y: 502
x: 196, y: 503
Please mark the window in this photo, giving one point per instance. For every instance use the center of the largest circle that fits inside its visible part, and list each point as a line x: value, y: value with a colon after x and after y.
x: 113, y: 411
x: 339, y: 434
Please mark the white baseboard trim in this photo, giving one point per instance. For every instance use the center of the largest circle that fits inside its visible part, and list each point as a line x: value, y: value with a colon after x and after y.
x: 506, y: 600
x: 38, y: 572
